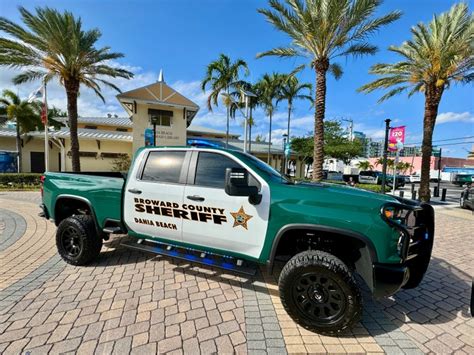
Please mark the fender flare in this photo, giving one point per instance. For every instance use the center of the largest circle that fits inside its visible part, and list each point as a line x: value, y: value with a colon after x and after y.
x: 364, y: 266
x: 82, y: 199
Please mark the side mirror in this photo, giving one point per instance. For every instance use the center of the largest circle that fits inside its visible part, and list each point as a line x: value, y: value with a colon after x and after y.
x: 237, y: 183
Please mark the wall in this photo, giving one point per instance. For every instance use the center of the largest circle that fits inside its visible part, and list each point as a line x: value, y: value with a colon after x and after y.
x: 98, y: 164
x: 165, y: 136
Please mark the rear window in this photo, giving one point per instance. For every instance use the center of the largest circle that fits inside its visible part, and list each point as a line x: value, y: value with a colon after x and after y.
x: 163, y: 166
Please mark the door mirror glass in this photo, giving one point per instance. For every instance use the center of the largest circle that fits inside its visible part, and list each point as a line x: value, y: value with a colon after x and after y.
x: 237, y: 183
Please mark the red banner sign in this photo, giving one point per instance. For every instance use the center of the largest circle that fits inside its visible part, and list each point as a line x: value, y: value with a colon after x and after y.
x: 396, y: 138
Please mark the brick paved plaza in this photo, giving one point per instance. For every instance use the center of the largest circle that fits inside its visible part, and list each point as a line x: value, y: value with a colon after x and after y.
x: 134, y: 302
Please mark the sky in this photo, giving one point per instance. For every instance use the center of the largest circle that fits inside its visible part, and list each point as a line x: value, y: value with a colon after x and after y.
x: 183, y: 36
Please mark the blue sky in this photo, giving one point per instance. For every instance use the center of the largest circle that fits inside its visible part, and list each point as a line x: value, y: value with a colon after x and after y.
x: 183, y: 36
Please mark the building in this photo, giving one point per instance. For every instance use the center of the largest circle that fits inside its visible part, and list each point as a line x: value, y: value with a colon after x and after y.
x: 158, y: 115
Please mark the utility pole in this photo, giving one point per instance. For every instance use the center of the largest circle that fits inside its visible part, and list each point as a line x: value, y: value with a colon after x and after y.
x: 385, y: 151
x: 439, y: 168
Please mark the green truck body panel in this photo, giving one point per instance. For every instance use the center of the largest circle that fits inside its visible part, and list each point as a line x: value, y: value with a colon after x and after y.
x: 340, y: 207
x: 104, y: 194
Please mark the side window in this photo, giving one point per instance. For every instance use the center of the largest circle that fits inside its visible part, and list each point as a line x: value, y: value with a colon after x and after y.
x: 163, y: 166
x: 210, y: 170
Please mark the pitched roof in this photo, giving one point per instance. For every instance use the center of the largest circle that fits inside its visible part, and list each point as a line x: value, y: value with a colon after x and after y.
x: 106, y: 121
x: 205, y: 130
x: 158, y: 93
x: 81, y: 132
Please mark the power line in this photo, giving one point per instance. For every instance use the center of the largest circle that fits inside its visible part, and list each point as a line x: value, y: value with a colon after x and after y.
x: 443, y: 140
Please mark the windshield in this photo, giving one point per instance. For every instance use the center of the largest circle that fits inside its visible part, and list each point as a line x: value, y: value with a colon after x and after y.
x: 264, y: 168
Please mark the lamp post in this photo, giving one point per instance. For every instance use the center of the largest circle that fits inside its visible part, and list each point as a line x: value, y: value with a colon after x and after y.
x: 247, y: 95
x: 285, y: 136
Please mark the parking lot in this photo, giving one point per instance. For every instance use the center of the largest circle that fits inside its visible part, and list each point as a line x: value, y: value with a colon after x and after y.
x: 141, y: 303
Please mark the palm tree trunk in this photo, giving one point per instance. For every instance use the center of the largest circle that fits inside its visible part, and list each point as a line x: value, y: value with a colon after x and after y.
x: 432, y: 99
x: 72, y: 90
x: 269, y: 138
x: 289, y: 118
x: 227, y: 123
x: 18, y: 147
x: 321, y: 68
x: 250, y: 132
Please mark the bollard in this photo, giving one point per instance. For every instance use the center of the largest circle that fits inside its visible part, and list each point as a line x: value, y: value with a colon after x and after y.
x: 443, y: 194
x: 402, y: 193
x: 413, y: 195
x: 436, y: 192
x: 412, y: 188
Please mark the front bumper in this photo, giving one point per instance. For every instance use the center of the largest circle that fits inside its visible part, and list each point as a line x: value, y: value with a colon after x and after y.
x: 414, y: 248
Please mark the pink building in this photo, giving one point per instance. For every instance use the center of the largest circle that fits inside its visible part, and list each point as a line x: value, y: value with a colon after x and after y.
x: 416, y: 162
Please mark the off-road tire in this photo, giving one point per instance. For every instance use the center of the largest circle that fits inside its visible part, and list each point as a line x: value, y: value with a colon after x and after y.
x: 82, y: 229
x: 320, y: 266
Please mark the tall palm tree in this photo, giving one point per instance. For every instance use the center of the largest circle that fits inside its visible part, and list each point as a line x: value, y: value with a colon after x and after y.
x: 292, y: 90
x: 54, y: 44
x: 24, y: 114
x: 321, y: 31
x: 438, y: 55
x: 222, y: 75
x: 269, y: 88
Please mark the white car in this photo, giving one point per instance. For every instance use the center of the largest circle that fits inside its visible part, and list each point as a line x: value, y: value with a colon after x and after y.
x: 415, y: 178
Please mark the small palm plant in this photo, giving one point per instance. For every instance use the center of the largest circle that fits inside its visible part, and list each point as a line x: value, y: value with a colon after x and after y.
x: 364, y: 165
x: 292, y: 90
x: 24, y: 114
x: 438, y: 55
x: 323, y: 31
x: 222, y: 75
x: 54, y: 44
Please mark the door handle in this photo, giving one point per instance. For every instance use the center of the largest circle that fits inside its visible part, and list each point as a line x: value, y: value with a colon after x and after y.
x: 135, y: 191
x: 196, y: 198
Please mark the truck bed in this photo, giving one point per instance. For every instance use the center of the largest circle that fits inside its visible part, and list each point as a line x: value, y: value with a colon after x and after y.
x: 102, y: 190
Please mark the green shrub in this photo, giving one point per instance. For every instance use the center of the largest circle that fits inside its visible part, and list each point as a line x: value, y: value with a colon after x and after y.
x: 373, y: 187
x: 20, y: 181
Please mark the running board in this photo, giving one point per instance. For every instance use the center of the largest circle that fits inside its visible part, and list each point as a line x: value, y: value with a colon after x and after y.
x: 195, y: 256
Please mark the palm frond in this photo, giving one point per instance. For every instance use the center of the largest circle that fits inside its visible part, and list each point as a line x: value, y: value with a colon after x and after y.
x: 336, y: 70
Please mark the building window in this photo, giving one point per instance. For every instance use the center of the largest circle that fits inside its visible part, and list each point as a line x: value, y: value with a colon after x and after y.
x: 122, y: 129
x: 160, y: 117
x: 90, y: 127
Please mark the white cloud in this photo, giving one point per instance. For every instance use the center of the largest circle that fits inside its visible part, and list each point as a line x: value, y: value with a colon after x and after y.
x: 446, y: 117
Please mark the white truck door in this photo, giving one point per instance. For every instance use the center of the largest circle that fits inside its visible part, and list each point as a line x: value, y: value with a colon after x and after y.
x: 154, y: 194
x: 220, y: 221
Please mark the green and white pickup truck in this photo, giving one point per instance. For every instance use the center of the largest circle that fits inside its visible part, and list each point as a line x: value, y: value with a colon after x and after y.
x: 228, y: 209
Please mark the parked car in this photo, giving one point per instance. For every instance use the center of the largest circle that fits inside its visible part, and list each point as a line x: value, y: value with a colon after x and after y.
x: 227, y: 209
x: 467, y: 197
x: 461, y: 179
x: 375, y: 177
x: 370, y: 177
x: 415, y: 178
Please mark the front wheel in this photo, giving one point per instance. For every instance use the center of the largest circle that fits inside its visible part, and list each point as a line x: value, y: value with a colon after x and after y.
x: 77, y: 240
x: 320, y: 293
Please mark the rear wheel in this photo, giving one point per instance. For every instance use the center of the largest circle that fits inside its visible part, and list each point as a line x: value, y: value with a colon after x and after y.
x: 77, y: 240
x: 320, y: 293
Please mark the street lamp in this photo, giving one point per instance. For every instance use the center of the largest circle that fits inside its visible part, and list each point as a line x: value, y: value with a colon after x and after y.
x: 285, y: 136
x: 246, y: 95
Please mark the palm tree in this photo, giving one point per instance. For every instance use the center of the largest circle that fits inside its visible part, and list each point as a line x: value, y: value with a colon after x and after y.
x: 25, y: 114
x: 438, y: 55
x: 292, y: 90
x: 222, y: 75
x: 323, y: 30
x: 379, y: 161
x: 54, y: 44
x: 269, y: 88
x: 364, y: 165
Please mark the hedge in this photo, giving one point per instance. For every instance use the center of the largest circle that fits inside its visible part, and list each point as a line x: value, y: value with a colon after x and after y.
x: 20, y: 181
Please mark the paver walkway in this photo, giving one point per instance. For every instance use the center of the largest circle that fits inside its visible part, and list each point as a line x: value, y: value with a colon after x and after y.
x: 134, y: 302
